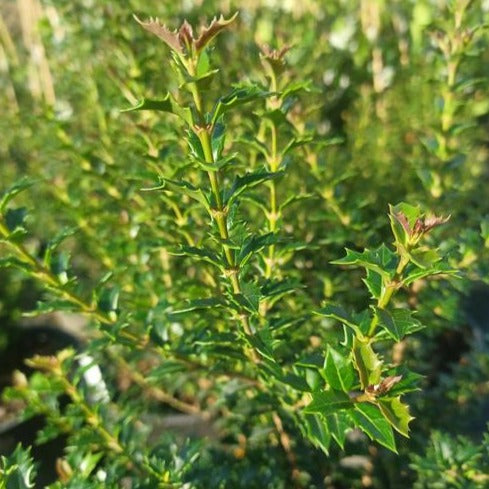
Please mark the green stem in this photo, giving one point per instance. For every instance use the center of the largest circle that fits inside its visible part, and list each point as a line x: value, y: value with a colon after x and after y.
x: 388, y: 291
x: 111, y: 442
x: 43, y: 274
x: 273, y: 214
x: 220, y: 212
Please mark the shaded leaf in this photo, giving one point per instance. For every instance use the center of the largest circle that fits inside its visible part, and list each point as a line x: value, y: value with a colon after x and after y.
x: 372, y: 422
x: 240, y: 95
x: 335, y: 311
x: 19, y: 186
x: 245, y: 182
x: 196, y: 304
x: 396, y: 330
x: 397, y: 414
x: 382, y: 260
x: 328, y: 402
x: 338, y: 425
x: 317, y: 431
x: 338, y: 370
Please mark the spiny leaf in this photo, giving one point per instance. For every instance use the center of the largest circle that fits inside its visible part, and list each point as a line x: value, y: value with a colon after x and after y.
x: 297, y: 382
x: 371, y: 421
x: 328, y: 402
x: 335, y: 311
x: 196, y: 304
x: 373, y: 281
x: 382, y: 260
x: 17, y: 470
x: 367, y: 363
x: 317, y: 431
x: 166, y: 104
x: 19, y: 186
x: 240, y: 95
x: 253, y: 244
x: 163, y: 105
x: 338, y: 370
x: 15, y: 218
x: 394, y: 329
x: 401, y: 323
x: 245, y: 182
x: 211, y: 31
x: 338, y: 425
x: 201, y: 253
x: 397, y: 414
x: 183, y: 187
x: 170, y: 38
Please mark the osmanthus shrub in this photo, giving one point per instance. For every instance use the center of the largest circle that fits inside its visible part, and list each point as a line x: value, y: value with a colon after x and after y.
x: 205, y: 311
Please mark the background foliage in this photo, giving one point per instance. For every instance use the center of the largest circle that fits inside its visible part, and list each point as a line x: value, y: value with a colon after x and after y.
x: 377, y: 102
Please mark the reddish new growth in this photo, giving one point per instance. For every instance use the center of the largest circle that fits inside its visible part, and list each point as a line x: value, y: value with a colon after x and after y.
x: 182, y: 40
x: 385, y: 386
x: 274, y: 54
x: 421, y: 226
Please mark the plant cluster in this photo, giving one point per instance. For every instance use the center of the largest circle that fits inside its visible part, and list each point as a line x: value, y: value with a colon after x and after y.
x: 199, y: 233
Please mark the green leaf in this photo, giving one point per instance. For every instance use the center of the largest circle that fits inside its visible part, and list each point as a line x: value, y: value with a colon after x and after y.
x: 317, y: 431
x: 12, y: 262
x: 338, y: 424
x: 412, y: 213
x: 253, y: 244
x: 203, y: 64
x: 328, y: 402
x: 396, y: 413
x: 245, y: 182
x: 297, y: 382
x: 168, y: 367
x: 19, y: 186
x: 17, y: 470
x: 418, y: 273
x: 108, y: 299
x: 263, y: 346
x: 403, y: 323
x: 394, y: 329
x: 338, y: 370
x: 240, y: 95
x: 278, y: 288
x: 424, y: 258
x: 252, y: 293
x: 59, y: 265
x: 56, y: 241
x: 167, y: 104
x: 163, y: 105
x: 367, y: 363
x: 202, y: 253
x: 185, y: 188
x: 296, y: 142
x: 15, y: 218
x: 374, y: 283
x: 335, y: 311
x: 382, y: 260
x: 217, y: 140
x: 196, y: 304
x: 371, y: 421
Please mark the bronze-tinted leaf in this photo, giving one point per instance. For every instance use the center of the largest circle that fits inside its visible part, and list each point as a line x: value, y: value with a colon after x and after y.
x: 432, y: 221
x: 401, y: 217
x: 170, y: 38
x: 208, y: 33
x: 186, y: 34
x: 274, y: 54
